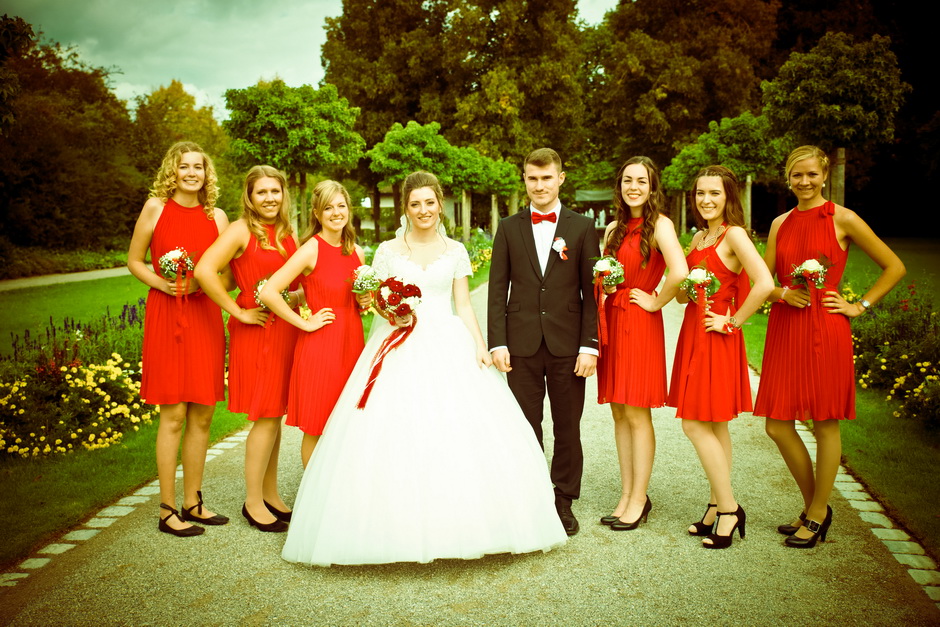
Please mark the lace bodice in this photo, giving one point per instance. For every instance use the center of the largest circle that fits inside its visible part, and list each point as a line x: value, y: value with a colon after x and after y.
x: 436, y: 280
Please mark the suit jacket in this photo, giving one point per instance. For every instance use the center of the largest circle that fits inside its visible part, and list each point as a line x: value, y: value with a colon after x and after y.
x: 526, y: 307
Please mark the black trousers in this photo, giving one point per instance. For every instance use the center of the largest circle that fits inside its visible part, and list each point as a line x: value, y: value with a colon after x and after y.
x: 528, y: 380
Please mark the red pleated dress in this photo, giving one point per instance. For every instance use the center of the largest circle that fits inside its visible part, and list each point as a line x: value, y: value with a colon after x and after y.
x: 631, y: 368
x: 709, y: 374
x: 184, y: 340
x: 259, y: 358
x: 808, y: 371
x: 324, y: 358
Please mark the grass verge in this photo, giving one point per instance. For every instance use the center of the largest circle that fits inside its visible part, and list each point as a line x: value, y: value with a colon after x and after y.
x: 58, y: 493
x: 31, y: 308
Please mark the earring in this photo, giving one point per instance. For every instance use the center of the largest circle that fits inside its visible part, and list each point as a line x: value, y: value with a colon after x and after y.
x: 824, y: 184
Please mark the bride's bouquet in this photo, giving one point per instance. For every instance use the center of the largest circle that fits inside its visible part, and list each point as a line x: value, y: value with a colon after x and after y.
x: 395, y: 299
x: 699, y: 285
x: 811, y: 271
x: 285, y: 293
x: 176, y: 263
x: 608, y: 271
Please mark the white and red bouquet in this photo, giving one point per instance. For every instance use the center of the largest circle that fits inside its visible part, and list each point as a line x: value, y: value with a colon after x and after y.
x: 285, y: 293
x: 365, y: 280
x: 176, y: 263
x: 700, y: 284
x: 395, y: 299
x: 608, y: 271
x: 811, y: 271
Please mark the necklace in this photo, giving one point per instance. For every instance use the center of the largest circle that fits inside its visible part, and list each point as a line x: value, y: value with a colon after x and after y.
x: 709, y: 239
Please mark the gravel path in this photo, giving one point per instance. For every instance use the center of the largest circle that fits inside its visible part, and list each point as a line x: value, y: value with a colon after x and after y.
x: 128, y: 573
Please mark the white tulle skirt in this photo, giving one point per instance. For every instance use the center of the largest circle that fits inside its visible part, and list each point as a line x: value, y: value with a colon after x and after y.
x: 441, y: 463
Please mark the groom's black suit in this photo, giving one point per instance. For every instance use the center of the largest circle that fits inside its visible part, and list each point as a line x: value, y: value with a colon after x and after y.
x: 544, y: 320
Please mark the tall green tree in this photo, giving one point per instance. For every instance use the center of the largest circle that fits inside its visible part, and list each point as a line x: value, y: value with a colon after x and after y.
x: 839, y: 95
x: 300, y: 130
x: 670, y: 66
x: 66, y: 178
x: 15, y: 38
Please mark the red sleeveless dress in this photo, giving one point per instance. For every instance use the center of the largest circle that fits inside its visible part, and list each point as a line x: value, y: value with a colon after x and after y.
x: 709, y: 374
x: 324, y: 358
x: 631, y: 369
x: 259, y: 358
x: 184, y: 341
x: 808, y: 370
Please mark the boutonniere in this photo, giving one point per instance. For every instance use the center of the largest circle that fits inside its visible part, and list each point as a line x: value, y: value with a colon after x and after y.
x: 559, y: 246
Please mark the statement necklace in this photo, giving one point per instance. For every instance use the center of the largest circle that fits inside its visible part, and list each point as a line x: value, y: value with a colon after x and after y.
x: 708, y: 239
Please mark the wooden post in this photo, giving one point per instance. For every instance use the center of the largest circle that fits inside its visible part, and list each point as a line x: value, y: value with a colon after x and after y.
x: 514, y: 202
x: 682, y: 221
x: 465, y: 216
x: 837, y: 178
x: 494, y: 214
x: 747, y: 202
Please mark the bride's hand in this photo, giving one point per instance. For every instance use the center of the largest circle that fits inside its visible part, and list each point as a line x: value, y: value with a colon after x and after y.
x: 483, y: 357
x: 403, y: 321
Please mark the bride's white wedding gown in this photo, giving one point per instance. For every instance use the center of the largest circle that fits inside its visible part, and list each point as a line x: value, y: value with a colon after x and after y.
x: 441, y: 463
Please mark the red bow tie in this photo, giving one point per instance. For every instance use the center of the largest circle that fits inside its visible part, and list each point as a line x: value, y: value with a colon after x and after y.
x: 548, y: 217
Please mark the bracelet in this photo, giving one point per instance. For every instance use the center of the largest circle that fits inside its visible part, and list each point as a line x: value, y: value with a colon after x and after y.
x: 730, y: 328
x: 782, y: 294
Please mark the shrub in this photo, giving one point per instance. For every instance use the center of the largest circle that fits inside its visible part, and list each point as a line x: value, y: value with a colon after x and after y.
x: 897, y: 348
x: 480, y: 249
x: 77, y: 388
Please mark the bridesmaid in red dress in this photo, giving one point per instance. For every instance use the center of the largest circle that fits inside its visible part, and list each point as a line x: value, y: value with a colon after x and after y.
x: 184, y: 342
x: 332, y: 338
x: 631, y: 368
x: 709, y: 376
x: 261, y: 348
x: 808, y: 371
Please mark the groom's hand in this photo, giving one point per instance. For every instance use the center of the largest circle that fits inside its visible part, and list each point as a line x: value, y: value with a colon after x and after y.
x: 586, y: 365
x: 501, y: 359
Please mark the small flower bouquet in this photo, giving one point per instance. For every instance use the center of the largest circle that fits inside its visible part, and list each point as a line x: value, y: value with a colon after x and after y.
x: 811, y: 271
x: 176, y: 263
x: 608, y: 271
x: 285, y: 293
x: 560, y: 247
x: 700, y: 284
x: 396, y: 298
x: 365, y: 280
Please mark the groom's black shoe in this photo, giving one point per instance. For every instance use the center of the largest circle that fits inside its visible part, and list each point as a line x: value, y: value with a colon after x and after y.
x: 568, y: 521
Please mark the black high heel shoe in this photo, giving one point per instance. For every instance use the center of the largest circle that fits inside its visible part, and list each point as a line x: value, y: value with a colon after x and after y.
x: 619, y: 525
x: 609, y: 520
x: 789, y: 530
x: 285, y: 516
x: 188, y: 532
x: 819, y: 531
x: 278, y: 526
x: 723, y: 542
x: 701, y: 527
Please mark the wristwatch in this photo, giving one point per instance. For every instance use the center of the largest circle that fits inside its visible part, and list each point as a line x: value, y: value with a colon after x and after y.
x: 865, y: 304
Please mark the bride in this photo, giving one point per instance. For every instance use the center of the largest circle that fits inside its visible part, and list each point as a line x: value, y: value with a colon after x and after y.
x: 440, y: 463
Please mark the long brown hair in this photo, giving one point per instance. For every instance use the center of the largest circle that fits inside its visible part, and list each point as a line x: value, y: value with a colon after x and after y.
x: 652, y: 209
x: 323, y: 195
x: 282, y: 225
x: 734, y: 210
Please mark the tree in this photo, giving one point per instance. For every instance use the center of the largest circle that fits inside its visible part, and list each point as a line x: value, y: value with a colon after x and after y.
x: 15, y: 37
x: 670, y: 66
x: 300, y: 130
x: 839, y: 95
x: 66, y: 178
x: 406, y: 149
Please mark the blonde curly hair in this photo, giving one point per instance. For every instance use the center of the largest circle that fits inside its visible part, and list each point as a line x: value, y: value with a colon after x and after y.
x: 164, y: 185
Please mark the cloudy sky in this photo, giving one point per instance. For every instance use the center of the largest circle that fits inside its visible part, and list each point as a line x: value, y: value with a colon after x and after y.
x: 208, y: 45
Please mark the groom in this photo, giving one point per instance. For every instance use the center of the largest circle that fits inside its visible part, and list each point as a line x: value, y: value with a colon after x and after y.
x: 542, y: 318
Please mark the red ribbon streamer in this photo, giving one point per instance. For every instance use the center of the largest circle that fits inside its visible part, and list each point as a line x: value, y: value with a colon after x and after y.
x: 182, y: 294
x: 600, y: 297
x: 393, y: 341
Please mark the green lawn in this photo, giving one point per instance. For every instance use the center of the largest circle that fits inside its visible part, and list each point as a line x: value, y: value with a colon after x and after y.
x: 31, y: 308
